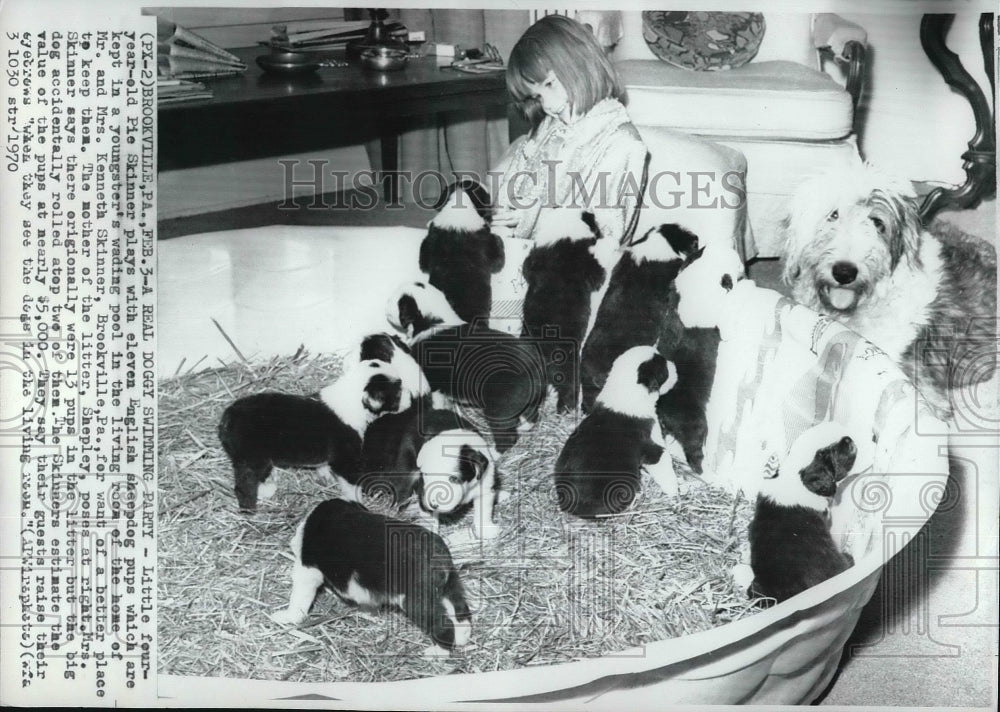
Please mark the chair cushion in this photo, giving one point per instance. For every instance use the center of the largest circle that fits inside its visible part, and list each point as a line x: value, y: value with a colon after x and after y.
x: 771, y: 100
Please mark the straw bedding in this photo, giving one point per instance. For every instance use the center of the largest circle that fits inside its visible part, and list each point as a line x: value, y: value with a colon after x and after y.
x: 551, y: 589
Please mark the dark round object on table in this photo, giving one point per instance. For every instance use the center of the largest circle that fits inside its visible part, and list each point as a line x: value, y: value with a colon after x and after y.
x: 384, y: 58
x: 278, y: 62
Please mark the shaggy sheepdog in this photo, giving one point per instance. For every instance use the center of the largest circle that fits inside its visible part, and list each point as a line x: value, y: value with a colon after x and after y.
x: 855, y: 250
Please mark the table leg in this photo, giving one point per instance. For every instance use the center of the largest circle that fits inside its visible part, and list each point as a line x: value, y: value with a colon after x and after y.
x: 980, y: 159
x: 390, y: 165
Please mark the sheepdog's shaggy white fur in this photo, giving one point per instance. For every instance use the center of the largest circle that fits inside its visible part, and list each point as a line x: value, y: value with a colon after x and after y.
x: 855, y: 249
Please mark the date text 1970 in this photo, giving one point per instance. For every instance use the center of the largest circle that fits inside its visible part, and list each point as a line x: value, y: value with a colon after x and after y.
x: 78, y: 145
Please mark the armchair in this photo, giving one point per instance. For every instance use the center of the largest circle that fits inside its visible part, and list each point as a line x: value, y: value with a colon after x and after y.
x: 788, y: 117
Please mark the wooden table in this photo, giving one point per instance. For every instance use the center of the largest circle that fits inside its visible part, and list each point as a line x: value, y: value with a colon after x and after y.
x: 256, y: 114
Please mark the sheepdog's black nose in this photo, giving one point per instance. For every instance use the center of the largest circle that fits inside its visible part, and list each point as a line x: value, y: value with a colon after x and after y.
x: 844, y: 272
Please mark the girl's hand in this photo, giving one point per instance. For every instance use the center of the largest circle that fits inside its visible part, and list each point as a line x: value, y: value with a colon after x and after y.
x: 506, y: 218
x: 504, y: 222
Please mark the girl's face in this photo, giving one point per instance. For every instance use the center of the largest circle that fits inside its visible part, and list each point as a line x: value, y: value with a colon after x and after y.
x: 553, y: 97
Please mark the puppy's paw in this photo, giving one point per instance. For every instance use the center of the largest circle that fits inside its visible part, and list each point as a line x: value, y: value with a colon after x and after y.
x: 742, y: 576
x: 287, y: 616
x: 525, y: 426
x: 325, y: 474
x: 267, y: 489
x: 460, y: 538
x: 463, y: 633
x: 436, y: 652
x: 440, y: 401
x: 664, y: 476
x: 674, y: 448
x: 348, y: 492
x: 490, y: 531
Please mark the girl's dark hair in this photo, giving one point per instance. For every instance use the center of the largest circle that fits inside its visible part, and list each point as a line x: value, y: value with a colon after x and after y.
x: 567, y: 48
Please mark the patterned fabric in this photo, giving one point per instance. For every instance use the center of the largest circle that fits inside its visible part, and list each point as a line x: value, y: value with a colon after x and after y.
x: 786, y: 368
x: 703, y: 40
x: 567, y: 165
x: 562, y: 164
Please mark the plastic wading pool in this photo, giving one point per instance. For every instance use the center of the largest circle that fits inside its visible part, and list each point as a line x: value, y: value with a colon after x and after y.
x: 782, y: 368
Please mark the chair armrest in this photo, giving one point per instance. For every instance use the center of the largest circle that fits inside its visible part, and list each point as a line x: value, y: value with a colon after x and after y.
x: 848, y: 42
x: 833, y: 32
x: 605, y: 24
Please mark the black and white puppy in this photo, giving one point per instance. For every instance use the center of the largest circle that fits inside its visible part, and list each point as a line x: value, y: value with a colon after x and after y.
x: 791, y: 548
x: 456, y: 467
x: 439, y: 456
x: 639, y: 306
x: 390, y: 448
x: 563, y: 271
x: 419, y: 308
x: 598, y: 471
x: 460, y: 253
x: 705, y: 273
x: 393, y: 350
x: 377, y: 562
x: 390, y: 349
x: 471, y: 363
x: 271, y: 429
x: 682, y: 411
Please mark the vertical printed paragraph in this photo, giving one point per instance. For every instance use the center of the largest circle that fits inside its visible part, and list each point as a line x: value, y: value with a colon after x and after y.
x: 78, y: 418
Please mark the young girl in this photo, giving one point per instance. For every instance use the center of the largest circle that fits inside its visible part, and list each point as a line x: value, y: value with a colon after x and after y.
x: 582, y: 151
